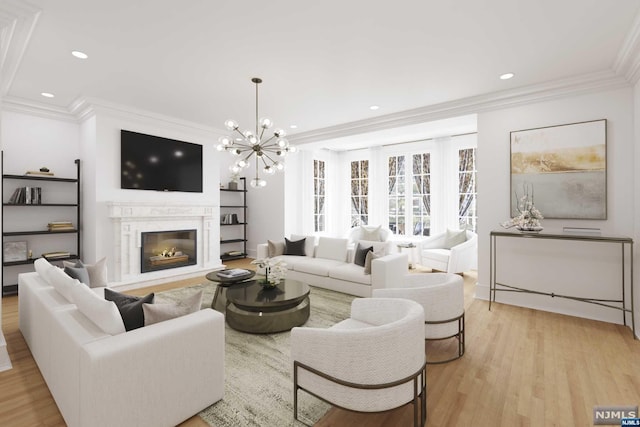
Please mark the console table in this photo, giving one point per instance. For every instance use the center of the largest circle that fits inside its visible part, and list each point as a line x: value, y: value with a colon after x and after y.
x: 625, y: 242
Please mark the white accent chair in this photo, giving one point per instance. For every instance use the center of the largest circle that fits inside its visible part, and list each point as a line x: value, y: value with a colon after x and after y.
x: 435, y: 253
x: 442, y: 297
x: 374, y: 361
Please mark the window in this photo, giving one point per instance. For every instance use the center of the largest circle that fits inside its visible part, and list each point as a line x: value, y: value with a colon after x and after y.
x: 415, y: 169
x: 467, y: 214
x: 397, y: 214
x: 359, y: 193
x: 421, y: 194
x: 319, y: 195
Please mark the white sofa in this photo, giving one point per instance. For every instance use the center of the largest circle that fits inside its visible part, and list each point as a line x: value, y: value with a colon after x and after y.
x: 329, y: 264
x: 157, y: 375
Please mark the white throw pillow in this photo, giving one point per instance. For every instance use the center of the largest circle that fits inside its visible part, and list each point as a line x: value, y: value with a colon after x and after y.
x: 103, y: 313
x: 332, y: 248
x: 454, y: 238
x: 382, y: 248
x: 97, y: 272
x: 275, y: 248
x: 154, y: 313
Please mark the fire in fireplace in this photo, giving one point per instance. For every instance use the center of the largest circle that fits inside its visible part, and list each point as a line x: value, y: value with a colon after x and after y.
x: 167, y: 249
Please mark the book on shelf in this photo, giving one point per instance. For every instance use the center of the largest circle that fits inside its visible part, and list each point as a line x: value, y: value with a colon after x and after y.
x: 60, y: 226
x: 233, y: 253
x: 40, y: 173
x: 57, y: 254
x: 26, y: 196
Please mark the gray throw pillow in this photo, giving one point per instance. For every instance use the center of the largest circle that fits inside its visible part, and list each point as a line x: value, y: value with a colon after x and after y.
x: 275, y: 248
x: 294, y: 248
x: 80, y: 273
x: 130, y: 307
x: 367, y: 262
x: 361, y: 254
x: 154, y: 313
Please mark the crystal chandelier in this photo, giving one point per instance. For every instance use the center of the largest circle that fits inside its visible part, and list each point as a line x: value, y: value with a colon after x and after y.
x: 268, y: 149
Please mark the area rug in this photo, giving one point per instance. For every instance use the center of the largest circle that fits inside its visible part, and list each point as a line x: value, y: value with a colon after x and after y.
x: 258, y: 368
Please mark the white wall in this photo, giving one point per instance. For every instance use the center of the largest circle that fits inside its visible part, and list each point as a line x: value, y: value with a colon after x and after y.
x: 562, y: 267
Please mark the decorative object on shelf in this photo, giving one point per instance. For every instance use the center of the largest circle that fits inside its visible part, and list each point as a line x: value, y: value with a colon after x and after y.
x: 265, y: 147
x: 235, y: 179
x: 15, y: 251
x: 528, y: 218
x: 60, y: 226
x: 44, y: 171
x: 274, y: 271
x: 568, y: 166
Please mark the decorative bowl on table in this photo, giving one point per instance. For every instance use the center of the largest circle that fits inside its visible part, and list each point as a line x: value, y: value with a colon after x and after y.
x: 532, y: 229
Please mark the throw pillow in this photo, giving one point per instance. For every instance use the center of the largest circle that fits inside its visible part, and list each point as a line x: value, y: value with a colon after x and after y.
x: 381, y: 247
x: 370, y: 233
x: 294, y: 247
x: 103, y: 313
x: 97, y: 272
x: 275, y: 248
x: 454, y: 238
x: 361, y: 254
x: 154, y: 313
x: 79, y: 273
x: 370, y: 257
x: 130, y: 307
x: 310, y: 243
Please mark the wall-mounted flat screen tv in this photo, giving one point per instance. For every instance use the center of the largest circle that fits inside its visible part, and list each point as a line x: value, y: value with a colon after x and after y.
x: 153, y: 163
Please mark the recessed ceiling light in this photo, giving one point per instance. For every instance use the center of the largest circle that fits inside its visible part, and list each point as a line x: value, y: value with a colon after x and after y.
x: 506, y: 76
x: 374, y: 107
x: 294, y: 126
x: 47, y: 95
x: 80, y: 55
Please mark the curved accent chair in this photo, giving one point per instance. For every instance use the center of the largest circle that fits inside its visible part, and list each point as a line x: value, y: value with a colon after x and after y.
x: 371, y: 362
x: 442, y: 252
x: 442, y: 297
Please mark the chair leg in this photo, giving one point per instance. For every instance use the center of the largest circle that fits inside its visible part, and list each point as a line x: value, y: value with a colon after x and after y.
x: 295, y: 392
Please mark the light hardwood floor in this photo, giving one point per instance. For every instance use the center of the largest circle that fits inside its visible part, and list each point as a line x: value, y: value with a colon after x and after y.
x: 522, y: 367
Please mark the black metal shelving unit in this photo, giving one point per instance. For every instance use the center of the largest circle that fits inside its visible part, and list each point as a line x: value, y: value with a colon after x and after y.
x: 13, y: 288
x: 241, y: 223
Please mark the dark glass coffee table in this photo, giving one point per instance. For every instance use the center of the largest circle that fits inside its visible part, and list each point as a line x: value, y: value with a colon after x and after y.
x: 251, y: 308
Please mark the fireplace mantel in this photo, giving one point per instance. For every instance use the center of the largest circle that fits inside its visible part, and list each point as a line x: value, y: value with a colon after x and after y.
x: 130, y: 219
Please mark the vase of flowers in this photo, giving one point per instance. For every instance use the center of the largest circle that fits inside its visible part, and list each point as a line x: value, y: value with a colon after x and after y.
x: 528, y: 218
x: 274, y: 271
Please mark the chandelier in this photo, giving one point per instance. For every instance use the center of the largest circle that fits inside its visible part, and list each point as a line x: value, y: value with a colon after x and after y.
x: 268, y: 149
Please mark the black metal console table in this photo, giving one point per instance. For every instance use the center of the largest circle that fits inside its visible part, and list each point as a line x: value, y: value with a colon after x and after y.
x: 623, y: 241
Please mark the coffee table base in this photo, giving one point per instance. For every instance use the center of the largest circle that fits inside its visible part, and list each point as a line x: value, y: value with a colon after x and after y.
x: 261, y: 322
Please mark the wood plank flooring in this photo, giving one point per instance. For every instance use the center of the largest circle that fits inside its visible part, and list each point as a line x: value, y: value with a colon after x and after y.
x: 521, y: 367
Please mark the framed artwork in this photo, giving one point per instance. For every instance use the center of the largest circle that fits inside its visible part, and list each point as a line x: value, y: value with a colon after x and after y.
x: 564, y: 166
x: 14, y: 251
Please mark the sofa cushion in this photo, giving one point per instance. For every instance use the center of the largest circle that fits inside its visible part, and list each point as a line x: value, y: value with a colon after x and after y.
x: 290, y: 260
x: 294, y: 247
x: 350, y: 273
x: 317, y: 266
x: 130, y: 307
x: 454, y: 238
x: 42, y: 266
x: 103, y: 313
x: 275, y: 248
x: 369, y: 258
x: 361, y: 254
x: 332, y: 248
x: 62, y: 282
x: 309, y: 245
x: 441, y: 255
x: 155, y: 313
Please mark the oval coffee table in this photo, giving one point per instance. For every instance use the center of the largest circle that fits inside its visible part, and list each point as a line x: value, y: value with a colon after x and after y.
x: 250, y: 308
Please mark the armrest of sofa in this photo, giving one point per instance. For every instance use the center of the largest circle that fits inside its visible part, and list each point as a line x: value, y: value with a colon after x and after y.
x: 158, y: 375
x: 262, y: 251
x: 389, y: 268
x: 433, y: 242
x: 463, y: 256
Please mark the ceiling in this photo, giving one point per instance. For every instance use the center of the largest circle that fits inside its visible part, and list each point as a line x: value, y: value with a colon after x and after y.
x: 323, y: 63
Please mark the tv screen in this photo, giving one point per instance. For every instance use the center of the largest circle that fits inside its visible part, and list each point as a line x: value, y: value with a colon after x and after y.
x: 153, y: 163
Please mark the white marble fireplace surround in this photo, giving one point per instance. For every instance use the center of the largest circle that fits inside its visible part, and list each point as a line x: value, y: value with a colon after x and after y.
x: 130, y: 219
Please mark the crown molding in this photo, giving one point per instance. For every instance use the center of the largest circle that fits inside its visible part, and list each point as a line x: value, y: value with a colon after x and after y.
x: 18, y: 19
x: 477, y: 104
x: 24, y: 106
x: 627, y: 62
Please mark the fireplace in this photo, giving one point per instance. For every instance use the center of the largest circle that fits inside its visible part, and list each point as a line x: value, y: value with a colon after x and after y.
x: 162, y: 250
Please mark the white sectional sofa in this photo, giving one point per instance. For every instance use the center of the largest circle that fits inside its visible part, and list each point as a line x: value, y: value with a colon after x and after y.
x: 157, y: 375
x: 329, y: 264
